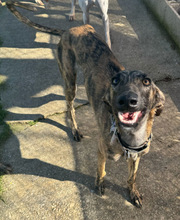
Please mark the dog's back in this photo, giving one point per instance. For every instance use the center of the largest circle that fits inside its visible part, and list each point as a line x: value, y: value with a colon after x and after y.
x: 87, y: 50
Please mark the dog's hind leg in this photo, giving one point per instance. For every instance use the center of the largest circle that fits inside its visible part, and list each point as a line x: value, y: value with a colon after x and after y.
x: 66, y: 63
x: 102, y: 156
x: 70, y: 91
x: 134, y: 194
x: 85, y: 6
x: 86, y: 16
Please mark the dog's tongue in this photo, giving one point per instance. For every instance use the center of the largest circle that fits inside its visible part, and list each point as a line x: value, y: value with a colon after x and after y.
x: 129, y: 117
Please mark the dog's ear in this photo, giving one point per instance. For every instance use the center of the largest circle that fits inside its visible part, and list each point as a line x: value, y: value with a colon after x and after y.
x: 106, y: 100
x: 159, y: 101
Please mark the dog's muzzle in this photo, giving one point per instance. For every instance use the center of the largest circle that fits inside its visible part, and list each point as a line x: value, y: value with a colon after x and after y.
x: 128, y: 105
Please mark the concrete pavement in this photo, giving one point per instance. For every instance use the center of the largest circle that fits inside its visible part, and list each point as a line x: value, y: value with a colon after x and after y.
x: 53, y: 177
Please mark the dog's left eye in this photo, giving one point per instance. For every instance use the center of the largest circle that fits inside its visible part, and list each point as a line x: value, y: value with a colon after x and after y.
x: 146, y: 81
x: 115, y: 81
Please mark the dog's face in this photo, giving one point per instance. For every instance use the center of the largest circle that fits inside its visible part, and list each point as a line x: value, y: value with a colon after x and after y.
x: 132, y: 96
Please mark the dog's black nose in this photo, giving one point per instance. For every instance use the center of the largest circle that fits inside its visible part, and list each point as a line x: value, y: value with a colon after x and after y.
x: 127, y: 100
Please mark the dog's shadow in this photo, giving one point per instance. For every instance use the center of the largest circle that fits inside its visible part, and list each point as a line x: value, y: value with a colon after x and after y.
x: 40, y: 168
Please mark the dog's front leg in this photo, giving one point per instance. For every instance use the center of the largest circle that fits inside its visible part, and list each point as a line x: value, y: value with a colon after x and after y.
x: 72, y: 12
x: 134, y: 194
x: 100, y: 186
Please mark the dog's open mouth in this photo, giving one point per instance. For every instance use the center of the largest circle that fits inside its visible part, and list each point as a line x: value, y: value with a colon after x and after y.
x: 129, y: 118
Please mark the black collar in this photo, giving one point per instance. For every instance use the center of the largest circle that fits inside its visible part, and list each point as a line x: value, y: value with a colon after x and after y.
x: 128, y: 147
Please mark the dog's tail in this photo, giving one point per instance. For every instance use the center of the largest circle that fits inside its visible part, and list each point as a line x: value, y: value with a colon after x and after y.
x: 10, y: 5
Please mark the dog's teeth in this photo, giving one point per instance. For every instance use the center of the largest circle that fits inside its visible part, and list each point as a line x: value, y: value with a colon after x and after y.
x: 129, y: 118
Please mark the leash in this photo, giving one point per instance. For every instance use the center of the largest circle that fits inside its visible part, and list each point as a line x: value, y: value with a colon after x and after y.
x: 127, y: 149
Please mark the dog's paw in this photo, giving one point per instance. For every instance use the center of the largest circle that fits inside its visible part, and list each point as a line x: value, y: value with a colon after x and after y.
x: 100, y: 190
x: 71, y: 17
x: 77, y: 135
x: 136, y: 198
x: 100, y: 187
x: 5, y: 168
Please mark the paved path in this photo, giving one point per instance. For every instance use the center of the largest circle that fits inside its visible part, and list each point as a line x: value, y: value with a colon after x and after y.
x: 53, y: 177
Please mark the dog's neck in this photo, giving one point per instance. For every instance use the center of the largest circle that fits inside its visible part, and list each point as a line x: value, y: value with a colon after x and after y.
x: 135, y: 137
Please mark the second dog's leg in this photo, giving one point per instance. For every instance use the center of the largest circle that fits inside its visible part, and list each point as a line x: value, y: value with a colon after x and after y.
x: 134, y: 194
x: 103, y: 5
x: 86, y: 17
x: 106, y: 29
x: 72, y: 12
x: 85, y: 5
x: 100, y: 186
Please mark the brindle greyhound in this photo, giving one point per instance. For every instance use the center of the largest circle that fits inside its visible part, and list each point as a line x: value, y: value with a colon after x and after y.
x: 124, y: 102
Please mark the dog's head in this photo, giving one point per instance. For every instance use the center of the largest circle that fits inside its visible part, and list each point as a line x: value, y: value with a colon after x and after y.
x: 133, y: 96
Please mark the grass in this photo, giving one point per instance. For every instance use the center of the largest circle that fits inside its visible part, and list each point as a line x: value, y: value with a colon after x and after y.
x: 31, y: 123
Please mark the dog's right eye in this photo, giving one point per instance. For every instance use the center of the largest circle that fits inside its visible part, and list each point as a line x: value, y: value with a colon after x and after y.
x: 115, y: 81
